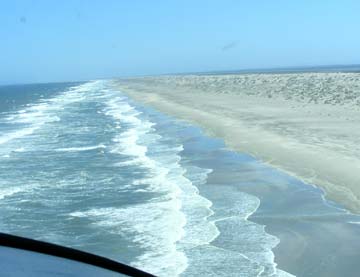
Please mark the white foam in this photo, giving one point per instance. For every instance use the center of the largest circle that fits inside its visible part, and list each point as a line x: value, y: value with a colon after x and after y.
x: 178, y: 219
x: 199, y: 230
x: 33, y: 117
x: 17, y: 134
x: 155, y: 226
x: 167, y: 176
x: 281, y: 273
x: 8, y: 191
x: 250, y: 240
x: 78, y: 149
x: 19, y: 150
x: 162, y: 224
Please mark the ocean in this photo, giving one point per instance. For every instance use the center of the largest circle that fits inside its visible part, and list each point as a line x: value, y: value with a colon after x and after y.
x: 84, y: 166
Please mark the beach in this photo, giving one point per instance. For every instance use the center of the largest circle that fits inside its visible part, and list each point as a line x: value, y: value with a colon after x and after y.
x: 305, y: 124
x: 107, y: 174
x: 110, y: 176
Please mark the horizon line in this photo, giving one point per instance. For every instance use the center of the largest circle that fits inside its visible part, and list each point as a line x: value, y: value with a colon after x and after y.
x: 344, y: 68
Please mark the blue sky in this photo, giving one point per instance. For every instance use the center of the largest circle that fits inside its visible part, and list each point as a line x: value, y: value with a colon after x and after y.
x: 45, y: 41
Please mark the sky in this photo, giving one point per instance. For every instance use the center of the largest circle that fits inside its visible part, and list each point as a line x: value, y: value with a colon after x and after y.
x: 69, y: 40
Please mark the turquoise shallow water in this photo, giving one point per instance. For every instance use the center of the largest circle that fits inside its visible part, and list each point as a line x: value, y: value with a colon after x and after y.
x: 84, y: 166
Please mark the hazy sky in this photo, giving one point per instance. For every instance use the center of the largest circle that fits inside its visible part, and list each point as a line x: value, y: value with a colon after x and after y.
x: 42, y: 41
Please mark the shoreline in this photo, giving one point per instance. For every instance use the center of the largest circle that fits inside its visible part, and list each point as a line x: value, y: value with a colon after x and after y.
x: 315, y: 140
x: 291, y: 212
x: 215, y: 215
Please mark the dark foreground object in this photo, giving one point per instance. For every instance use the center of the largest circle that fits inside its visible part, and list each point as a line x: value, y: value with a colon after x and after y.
x: 27, y: 257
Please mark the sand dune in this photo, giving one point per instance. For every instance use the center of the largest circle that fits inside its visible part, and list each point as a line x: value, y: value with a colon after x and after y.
x: 307, y: 124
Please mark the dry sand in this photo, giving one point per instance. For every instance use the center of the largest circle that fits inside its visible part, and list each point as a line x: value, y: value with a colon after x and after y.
x: 307, y: 124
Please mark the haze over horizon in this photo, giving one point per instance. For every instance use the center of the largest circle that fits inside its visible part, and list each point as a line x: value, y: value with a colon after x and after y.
x: 45, y: 41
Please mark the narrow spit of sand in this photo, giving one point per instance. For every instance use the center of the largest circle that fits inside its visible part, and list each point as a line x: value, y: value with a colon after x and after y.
x: 307, y: 124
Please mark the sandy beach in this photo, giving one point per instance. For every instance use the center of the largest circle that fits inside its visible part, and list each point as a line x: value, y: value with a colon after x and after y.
x: 306, y: 124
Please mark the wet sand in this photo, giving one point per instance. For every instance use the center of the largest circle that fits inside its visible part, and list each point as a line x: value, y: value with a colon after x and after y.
x: 317, y: 237
x: 306, y: 124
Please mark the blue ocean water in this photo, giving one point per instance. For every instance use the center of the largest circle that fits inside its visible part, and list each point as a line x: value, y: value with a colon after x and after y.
x: 84, y: 166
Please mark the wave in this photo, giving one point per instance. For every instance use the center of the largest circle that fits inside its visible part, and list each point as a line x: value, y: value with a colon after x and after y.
x: 79, y: 149
x: 176, y: 216
x: 33, y: 117
x: 158, y: 224
x: 17, y: 134
x: 177, y: 230
x: 179, y: 223
x: 8, y: 191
